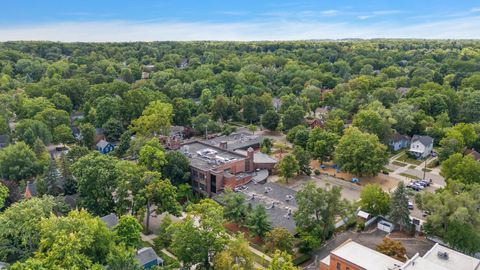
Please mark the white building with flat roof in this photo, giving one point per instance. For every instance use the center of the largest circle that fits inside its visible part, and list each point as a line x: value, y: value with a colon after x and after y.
x: 442, y: 258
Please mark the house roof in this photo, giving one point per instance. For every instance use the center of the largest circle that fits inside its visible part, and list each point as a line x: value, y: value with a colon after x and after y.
x: 4, y: 138
x: 363, y: 214
x: 146, y: 255
x: 111, y: 220
x: 397, y: 137
x: 473, y: 153
x: 102, y: 144
x: 403, y: 90
x: 425, y: 140
x: 365, y: 257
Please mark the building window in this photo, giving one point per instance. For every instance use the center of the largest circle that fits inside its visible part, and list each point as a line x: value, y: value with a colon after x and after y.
x: 348, y: 268
x: 339, y: 266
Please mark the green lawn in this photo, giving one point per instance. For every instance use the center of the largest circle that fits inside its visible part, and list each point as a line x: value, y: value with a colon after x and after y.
x: 407, y: 159
x: 410, y: 176
x: 412, y: 166
x: 398, y: 163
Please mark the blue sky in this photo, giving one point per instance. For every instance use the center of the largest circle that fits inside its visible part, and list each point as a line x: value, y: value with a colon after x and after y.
x: 107, y: 20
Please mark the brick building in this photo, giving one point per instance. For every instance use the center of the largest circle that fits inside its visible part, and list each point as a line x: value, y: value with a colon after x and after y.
x: 213, y: 168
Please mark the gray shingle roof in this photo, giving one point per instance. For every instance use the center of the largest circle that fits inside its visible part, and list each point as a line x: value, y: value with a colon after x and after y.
x: 111, y: 220
x: 425, y: 140
x: 146, y: 255
x: 397, y: 137
x: 102, y: 144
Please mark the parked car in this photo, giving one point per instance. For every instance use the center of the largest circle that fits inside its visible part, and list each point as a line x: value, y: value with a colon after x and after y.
x: 424, y: 183
x: 415, y: 186
x: 425, y: 213
x: 410, y: 205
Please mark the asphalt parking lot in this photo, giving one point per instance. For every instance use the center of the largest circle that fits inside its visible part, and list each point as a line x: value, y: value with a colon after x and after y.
x: 350, y: 191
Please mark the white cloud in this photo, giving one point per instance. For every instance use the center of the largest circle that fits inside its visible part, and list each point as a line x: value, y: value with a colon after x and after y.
x: 475, y: 9
x: 364, y: 17
x: 386, y: 12
x: 466, y: 27
x: 330, y: 12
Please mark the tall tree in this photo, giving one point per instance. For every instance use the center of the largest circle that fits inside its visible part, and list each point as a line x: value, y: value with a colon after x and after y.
x: 128, y: 231
x: 360, y: 153
x: 96, y: 182
x: 76, y: 241
x: 19, y: 227
x: 200, y: 241
x: 18, y: 161
x: 234, y: 206
x: 270, y: 120
x: 282, y: 261
x: 317, y: 212
x: 63, y: 134
x: 374, y: 200
x: 303, y: 158
x: 279, y: 239
x: 162, y: 194
x: 288, y: 166
x: 237, y: 255
x: 258, y: 222
x: 399, y: 213
x: 177, y: 168
x: 155, y: 119
x: 321, y: 144
x: 87, y: 133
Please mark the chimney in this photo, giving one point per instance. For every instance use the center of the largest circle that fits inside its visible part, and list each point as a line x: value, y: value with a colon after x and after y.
x: 250, y: 153
x: 223, y: 144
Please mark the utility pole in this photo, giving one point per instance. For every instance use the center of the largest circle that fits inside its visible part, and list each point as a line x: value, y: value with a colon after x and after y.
x: 425, y: 169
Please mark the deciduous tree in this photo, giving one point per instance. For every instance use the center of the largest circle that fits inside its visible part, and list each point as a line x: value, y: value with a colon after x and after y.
x: 360, y: 153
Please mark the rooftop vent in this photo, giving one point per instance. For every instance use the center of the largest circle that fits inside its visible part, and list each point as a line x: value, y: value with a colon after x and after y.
x: 442, y: 255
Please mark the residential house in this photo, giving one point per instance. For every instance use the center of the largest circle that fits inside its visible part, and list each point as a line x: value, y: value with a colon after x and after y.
x: 111, y: 220
x: 399, y: 141
x: 147, y: 258
x: 473, y: 153
x: 105, y: 147
x: 403, y: 91
x: 4, y: 140
x: 145, y: 75
x: 421, y: 146
x: 313, y: 123
x: 354, y: 256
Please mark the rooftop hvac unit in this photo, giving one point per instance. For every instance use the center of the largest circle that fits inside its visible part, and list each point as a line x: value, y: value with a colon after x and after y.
x: 442, y: 255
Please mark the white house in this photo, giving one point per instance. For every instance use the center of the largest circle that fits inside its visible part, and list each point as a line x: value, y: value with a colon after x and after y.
x: 421, y: 146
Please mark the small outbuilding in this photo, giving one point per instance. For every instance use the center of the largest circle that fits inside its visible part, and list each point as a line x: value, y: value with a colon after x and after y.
x: 147, y: 258
x: 105, y: 147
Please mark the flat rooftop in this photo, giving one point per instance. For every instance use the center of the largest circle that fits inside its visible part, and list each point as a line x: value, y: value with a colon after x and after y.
x: 282, y: 198
x: 365, y: 257
x: 241, y: 140
x: 453, y: 260
x: 206, y: 157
